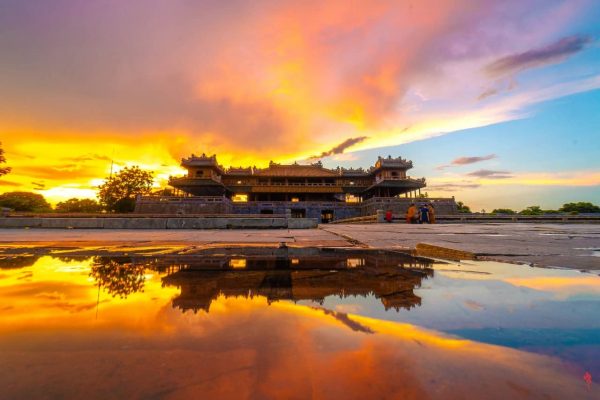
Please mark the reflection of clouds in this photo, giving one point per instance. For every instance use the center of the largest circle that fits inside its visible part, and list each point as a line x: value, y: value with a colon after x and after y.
x: 544, y: 279
x: 473, y: 305
x: 243, y: 348
x: 247, y: 349
x: 562, y: 287
x: 56, y: 286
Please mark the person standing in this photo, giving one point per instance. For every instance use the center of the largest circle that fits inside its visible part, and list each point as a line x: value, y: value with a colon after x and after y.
x: 431, y: 213
x: 411, y: 214
x: 424, y: 214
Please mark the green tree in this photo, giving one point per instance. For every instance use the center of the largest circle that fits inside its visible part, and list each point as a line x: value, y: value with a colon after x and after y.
x: 507, y: 211
x: 532, y: 210
x: 462, y: 207
x: 119, y: 192
x: 78, y: 205
x: 25, y: 201
x: 580, y: 207
x: 3, y: 170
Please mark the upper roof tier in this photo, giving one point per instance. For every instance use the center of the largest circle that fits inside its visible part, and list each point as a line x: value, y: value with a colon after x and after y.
x: 297, y: 170
x: 390, y: 162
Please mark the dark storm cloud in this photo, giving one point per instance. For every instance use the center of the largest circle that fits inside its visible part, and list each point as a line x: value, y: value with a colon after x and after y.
x: 340, y: 148
x: 550, y: 54
x: 490, y: 174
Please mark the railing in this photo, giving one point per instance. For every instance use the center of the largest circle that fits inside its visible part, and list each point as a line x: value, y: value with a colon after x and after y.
x: 409, y: 200
x: 190, y: 179
x: 180, y: 199
x: 399, y: 178
x: 323, y: 204
x: 293, y: 184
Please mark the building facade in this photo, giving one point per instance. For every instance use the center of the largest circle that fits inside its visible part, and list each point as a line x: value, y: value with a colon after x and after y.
x: 303, y: 191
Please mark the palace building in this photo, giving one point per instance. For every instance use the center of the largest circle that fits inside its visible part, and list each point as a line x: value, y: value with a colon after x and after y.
x: 303, y: 191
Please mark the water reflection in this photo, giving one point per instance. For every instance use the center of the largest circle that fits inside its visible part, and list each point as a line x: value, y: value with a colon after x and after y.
x: 119, y: 276
x: 393, y: 286
x: 389, y: 277
x: 294, y: 325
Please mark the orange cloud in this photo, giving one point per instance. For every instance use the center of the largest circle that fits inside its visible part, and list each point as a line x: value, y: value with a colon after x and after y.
x: 252, y: 82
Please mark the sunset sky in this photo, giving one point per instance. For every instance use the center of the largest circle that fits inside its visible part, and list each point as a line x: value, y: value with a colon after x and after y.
x: 496, y: 102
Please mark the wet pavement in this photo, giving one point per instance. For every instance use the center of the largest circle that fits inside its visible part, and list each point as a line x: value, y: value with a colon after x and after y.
x: 574, y: 246
x: 558, y: 245
x: 188, y: 321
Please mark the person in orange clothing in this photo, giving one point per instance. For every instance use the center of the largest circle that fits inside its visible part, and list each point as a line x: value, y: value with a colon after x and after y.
x: 431, y: 212
x: 411, y: 214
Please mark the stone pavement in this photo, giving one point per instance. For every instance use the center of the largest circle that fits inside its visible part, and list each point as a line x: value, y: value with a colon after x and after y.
x: 559, y: 245
x: 562, y: 245
x: 86, y: 237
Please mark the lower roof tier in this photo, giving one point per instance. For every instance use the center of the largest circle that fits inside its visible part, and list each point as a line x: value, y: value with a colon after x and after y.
x: 210, y: 187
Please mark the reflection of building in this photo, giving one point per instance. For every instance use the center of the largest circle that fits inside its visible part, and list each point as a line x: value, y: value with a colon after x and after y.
x: 305, y: 190
x: 390, y: 278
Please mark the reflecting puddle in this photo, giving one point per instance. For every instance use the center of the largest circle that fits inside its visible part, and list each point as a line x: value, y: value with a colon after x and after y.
x: 293, y: 323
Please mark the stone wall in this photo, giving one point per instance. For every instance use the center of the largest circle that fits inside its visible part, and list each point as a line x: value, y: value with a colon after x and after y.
x: 159, y: 223
x: 398, y: 206
x: 310, y: 209
x: 183, y: 205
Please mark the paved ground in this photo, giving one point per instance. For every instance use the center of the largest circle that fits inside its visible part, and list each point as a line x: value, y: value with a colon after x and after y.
x: 300, y: 237
x: 563, y: 245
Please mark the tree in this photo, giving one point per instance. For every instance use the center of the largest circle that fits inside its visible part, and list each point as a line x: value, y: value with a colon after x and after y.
x: 3, y: 170
x: 24, y: 201
x: 462, y: 208
x: 119, y: 277
x: 78, y: 205
x: 507, y: 211
x: 580, y: 207
x: 119, y: 192
x: 532, y: 210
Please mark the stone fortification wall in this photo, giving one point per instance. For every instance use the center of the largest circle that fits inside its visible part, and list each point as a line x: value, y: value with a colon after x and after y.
x: 311, y: 209
x: 183, y: 205
x: 225, y: 222
x: 398, y: 206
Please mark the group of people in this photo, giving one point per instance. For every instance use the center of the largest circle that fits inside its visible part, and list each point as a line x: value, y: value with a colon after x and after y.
x: 423, y: 214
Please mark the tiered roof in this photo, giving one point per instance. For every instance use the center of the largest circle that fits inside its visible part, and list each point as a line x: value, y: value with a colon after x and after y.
x: 296, y: 170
